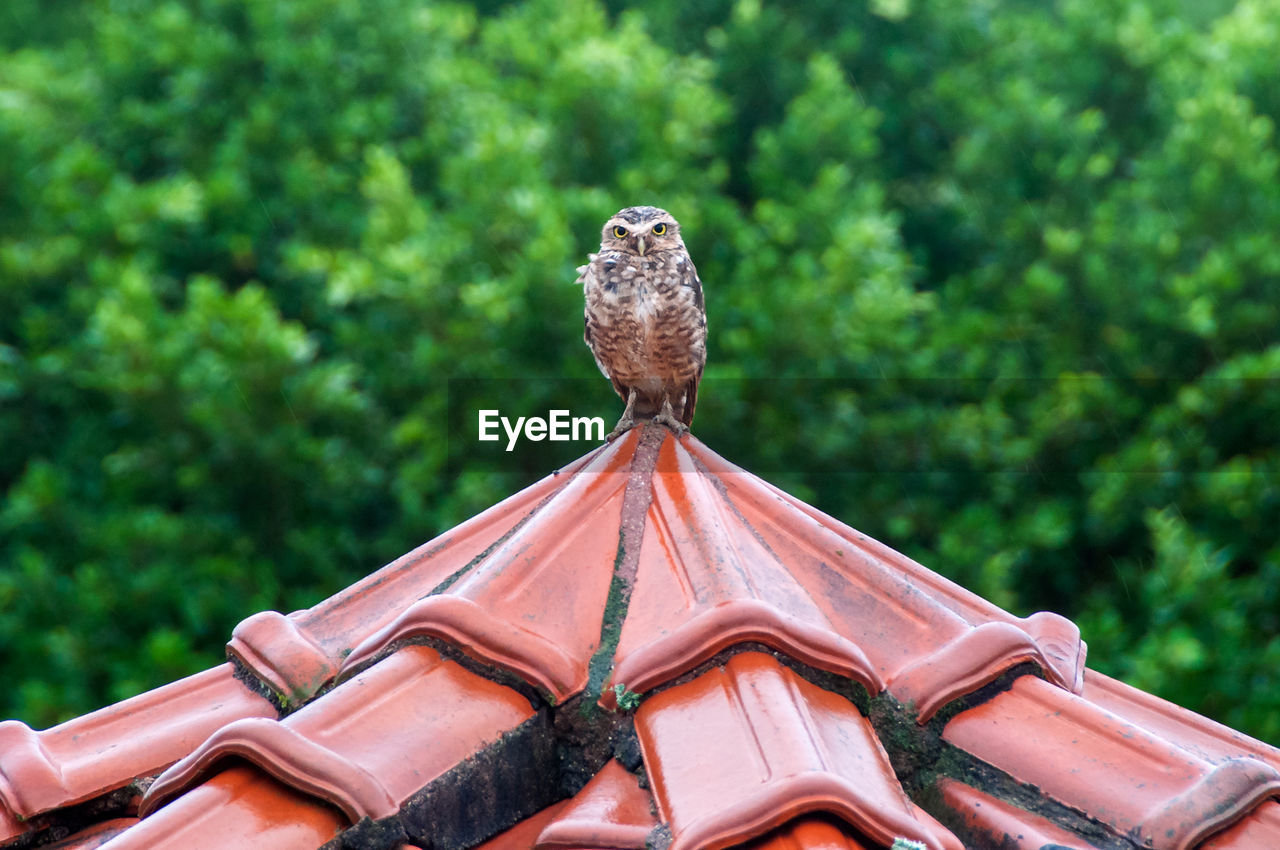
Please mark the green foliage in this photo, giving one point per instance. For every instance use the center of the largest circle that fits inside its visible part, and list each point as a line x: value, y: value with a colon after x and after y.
x: 995, y: 283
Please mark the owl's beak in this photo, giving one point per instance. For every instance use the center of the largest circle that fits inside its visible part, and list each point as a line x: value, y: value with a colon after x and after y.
x: 640, y: 245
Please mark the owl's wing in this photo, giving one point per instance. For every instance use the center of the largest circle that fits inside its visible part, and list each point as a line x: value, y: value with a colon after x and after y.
x: 696, y: 283
x: 589, y: 338
x: 621, y: 389
x: 691, y: 388
x: 587, y: 277
x: 690, y: 399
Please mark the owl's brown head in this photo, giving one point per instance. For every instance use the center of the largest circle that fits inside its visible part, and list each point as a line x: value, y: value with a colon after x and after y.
x: 641, y: 231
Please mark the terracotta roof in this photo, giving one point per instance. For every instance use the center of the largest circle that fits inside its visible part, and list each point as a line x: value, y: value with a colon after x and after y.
x: 649, y: 648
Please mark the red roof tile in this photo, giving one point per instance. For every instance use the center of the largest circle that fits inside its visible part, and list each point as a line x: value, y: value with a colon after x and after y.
x: 282, y: 656
x: 612, y: 811
x: 993, y: 822
x: 1210, y: 740
x: 928, y: 638
x: 340, y: 749
x: 319, y: 637
x: 811, y: 833
x: 524, y: 606
x: 240, y: 807
x: 524, y: 835
x: 106, y: 750
x: 1094, y: 761
x: 651, y: 647
x: 746, y: 747
x: 1259, y: 829
x: 706, y: 582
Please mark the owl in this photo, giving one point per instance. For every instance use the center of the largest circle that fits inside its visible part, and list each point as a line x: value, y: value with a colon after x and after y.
x: 646, y: 323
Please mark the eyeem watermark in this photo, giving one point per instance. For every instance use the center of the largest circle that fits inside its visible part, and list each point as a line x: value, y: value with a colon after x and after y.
x: 559, y: 427
x: 525, y: 425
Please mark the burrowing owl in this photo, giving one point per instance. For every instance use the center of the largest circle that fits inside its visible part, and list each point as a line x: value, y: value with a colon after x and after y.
x: 646, y: 324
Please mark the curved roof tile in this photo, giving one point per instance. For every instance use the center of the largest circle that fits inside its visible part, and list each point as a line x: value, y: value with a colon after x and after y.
x: 749, y: 746
x: 91, y: 755
x: 1122, y: 775
x: 1193, y: 732
x: 240, y: 807
x: 532, y: 605
x: 281, y: 655
x: 812, y: 833
x: 996, y: 823
x: 435, y: 713
x: 973, y: 659
x: 1258, y: 830
x: 896, y: 611
x: 705, y: 582
x: 297, y: 761
x: 612, y: 812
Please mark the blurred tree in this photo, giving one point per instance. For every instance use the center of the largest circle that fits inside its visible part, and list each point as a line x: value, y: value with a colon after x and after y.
x: 245, y: 248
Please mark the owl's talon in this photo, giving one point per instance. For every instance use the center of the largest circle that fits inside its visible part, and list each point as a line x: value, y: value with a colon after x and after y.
x: 628, y: 420
x: 666, y: 417
x: 625, y: 424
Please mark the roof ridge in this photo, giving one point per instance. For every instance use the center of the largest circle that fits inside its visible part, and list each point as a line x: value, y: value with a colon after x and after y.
x: 631, y: 532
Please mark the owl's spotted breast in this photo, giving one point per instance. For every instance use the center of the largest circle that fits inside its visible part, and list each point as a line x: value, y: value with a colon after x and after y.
x: 645, y: 319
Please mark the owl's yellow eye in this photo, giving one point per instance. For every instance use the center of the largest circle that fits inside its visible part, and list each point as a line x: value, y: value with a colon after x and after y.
x: 619, y: 231
x: 659, y: 229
